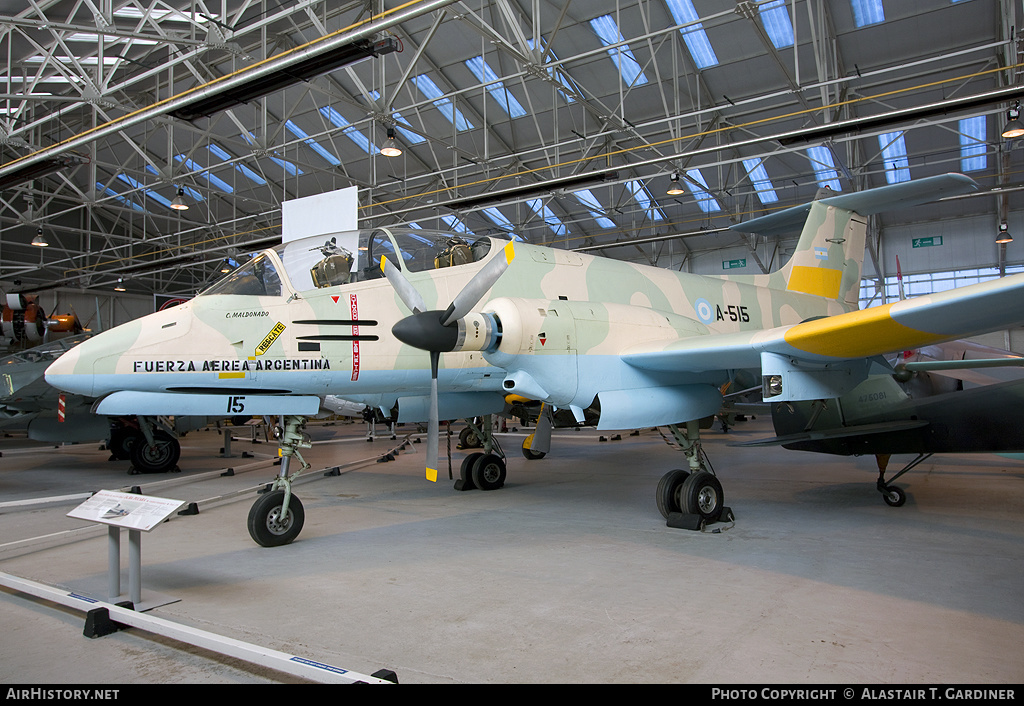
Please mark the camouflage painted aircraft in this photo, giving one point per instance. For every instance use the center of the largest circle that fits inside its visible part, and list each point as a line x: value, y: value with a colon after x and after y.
x: 440, y: 328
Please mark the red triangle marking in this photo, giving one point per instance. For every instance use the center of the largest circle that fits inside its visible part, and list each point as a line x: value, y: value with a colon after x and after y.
x: 335, y: 298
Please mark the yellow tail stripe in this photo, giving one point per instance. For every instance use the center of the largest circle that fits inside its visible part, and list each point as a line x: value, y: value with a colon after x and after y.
x: 822, y: 281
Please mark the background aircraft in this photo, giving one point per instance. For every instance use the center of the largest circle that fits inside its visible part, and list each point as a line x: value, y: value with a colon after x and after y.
x: 457, y: 326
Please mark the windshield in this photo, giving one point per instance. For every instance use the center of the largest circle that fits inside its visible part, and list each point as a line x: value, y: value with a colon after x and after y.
x: 257, y: 277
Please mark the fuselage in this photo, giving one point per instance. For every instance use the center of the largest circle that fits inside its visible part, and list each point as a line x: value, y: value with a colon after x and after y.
x: 307, y: 319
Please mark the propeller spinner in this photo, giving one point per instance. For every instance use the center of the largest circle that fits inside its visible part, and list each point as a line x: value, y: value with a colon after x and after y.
x: 457, y: 328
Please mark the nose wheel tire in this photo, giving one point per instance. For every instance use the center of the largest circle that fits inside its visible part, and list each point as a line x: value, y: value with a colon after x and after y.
x: 268, y: 527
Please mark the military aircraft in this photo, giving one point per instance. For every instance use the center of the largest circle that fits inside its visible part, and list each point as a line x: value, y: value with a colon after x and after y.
x: 956, y: 397
x: 435, y: 327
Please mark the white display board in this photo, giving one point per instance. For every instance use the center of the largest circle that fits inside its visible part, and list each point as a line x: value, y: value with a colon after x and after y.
x: 134, y: 512
x: 320, y: 214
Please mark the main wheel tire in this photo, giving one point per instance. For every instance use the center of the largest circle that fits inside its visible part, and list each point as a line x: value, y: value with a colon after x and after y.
x: 266, y: 525
x: 159, y: 457
x: 669, y: 487
x: 121, y: 442
x: 469, y: 439
x: 466, y: 472
x: 489, y: 472
x: 702, y: 495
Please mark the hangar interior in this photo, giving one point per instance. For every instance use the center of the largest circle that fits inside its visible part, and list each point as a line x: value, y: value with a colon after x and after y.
x: 565, y: 124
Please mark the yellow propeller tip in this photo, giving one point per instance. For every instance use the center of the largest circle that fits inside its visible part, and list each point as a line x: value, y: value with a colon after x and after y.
x: 432, y: 475
x: 509, y: 252
x: 383, y: 259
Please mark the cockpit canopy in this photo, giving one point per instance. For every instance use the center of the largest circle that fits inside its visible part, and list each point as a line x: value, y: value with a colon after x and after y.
x: 354, y: 256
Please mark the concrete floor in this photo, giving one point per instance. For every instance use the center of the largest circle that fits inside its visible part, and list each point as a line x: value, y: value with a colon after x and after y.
x: 567, y: 574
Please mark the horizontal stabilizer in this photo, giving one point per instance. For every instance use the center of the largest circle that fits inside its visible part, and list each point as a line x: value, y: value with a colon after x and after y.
x: 836, y: 433
x: 866, y: 203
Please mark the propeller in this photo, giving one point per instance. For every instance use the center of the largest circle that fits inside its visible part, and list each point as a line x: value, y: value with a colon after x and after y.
x: 438, y: 331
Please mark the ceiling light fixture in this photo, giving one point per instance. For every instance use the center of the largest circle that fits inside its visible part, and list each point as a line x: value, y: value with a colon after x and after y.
x: 1004, y: 234
x: 1014, y: 127
x: 119, y: 287
x: 178, y: 203
x: 674, y: 187
x: 40, y: 241
x: 391, y: 147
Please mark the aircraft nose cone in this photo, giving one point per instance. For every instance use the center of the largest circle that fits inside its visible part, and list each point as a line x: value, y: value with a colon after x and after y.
x: 62, y: 374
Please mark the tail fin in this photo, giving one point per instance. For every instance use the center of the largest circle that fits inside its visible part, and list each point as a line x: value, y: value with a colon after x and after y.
x: 830, y: 253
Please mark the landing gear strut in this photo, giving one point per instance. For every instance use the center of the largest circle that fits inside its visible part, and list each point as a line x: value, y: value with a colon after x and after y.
x: 277, y: 517
x: 690, y: 498
x: 484, y: 470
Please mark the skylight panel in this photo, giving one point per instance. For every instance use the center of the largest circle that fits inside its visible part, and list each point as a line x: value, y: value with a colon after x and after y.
x: 629, y: 68
x: 707, y: 202
x: 313, y: 144
x: 456, y: 225
x: 498, y: 218
x: 224, y: 156
x: 587, y: 198
x: 485, y: 74
x: 215, y: 181
x: 348, y: 130
x: 413, y: 138
x: 558, y: 76
x: 136, y: 184
x: 126, y: 201
x: 894, y: 153
x: 189, y: 191
x: 289, y: 168
x: 645, y: 200
x: 824, y: 167
x: 693, y: 34
x: 428, y: 88
x: 867, y: 12
x: 542, y: 210
x: 777, y: 25
x: 759, y: 178
x: 972, y: 144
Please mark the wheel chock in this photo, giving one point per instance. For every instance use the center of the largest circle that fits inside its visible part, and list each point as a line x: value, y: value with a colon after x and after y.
x: 98, y: 622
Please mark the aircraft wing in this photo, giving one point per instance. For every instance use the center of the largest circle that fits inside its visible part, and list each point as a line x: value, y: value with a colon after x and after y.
x: 855, y: 335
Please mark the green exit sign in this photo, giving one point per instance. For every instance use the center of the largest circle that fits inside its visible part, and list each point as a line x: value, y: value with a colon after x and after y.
x: 733, y: 264
x: 927, y: 242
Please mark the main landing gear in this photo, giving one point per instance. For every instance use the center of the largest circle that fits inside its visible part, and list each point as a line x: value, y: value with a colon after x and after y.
x: 691, y: 499
x: 486, y: 469
x: 146, y: 443
x: 276, y: 518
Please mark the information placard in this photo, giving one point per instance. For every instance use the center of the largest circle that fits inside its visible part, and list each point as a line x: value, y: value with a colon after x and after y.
x: 138, y: 512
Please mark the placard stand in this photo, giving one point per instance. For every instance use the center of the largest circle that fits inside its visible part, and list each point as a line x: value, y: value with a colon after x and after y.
x: 137, y: 514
